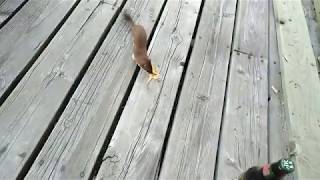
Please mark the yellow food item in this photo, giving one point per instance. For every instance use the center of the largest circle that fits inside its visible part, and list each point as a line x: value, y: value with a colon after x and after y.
x: 154, y: 75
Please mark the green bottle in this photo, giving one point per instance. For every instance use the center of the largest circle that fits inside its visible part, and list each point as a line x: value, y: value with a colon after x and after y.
x: 273, y: 171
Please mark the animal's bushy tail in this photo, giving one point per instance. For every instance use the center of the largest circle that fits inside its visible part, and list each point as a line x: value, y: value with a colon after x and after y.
x: 128, y: 17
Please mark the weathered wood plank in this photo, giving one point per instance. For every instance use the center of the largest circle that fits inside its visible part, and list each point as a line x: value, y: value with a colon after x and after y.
x: 278, y: 124
x: 7, y: 7
x: 135, y: 148
x: 192, y: 147
x: 300, y: 83
x: 317, y: 9
x: 25, y: 34
x: 73, y: 146
x: 244, y: 136
x: 31, y: 107
x: 314, y: 28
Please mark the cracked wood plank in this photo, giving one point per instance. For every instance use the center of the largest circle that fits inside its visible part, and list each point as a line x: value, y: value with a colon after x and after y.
x: 25, y: 34
x: 244, y: 136
x: 137, y: 143
x: 300, y: 83
x: 7, y: 8
x: 31, y: 107
x: 278, y: 124
x: 193, y: 143
x: 74, y: 144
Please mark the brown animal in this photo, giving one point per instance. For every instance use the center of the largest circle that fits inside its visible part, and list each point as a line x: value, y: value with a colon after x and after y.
x: 140, y: 53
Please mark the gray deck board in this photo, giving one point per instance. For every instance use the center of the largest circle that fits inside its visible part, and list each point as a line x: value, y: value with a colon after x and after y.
x: 278, y: 124
x: 247, y: 96
x: 135, y: 148
x: 74, y: 145
x: 313, y: 27
x: 26, y: 33
x: 32, y: 106
x: 8, y: 7
x: 300, y: 83
x: 317, y: 10
x: 243, y: 141
x: 193, y: 143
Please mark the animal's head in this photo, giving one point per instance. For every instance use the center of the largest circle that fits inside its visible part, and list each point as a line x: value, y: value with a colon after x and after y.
x: 146, y: 65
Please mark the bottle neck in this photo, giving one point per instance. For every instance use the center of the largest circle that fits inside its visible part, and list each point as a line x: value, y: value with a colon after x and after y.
x: 267, y: 172
x: 277, y: 170
x: 271, y: 171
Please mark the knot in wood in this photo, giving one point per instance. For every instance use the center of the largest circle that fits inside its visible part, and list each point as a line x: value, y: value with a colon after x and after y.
x: 202, y: 97
x: 176, y: 39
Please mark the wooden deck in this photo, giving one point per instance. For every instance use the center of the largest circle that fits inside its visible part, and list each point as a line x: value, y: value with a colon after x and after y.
x: 238, y: 88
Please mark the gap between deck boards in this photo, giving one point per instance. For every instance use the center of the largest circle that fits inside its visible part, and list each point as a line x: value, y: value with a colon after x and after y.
x: 122, y: 105
x: 8, y: 8
x: 127, y: 92
x: 101, y: 53
x: 66, y: 100
x: 9, y: 82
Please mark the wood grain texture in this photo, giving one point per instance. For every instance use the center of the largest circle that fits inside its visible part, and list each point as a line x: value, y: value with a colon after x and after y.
x: 7, y: 7
x: 23, y: 36
x: 278, y: 124
x: 73, y: 146
x: 135, y: 148
x: 192, y: 147
x: 300, y: 83
x: 244, y: 133
x: 317, y: 9
x: 31, y: 107
x: 279, y: 145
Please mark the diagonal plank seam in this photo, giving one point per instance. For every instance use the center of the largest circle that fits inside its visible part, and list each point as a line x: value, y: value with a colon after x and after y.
x: 268, y: 77
x: 66, y: 100
x: 16, y: 80
x: 141, y: 147
x: 3, y: 23
x: 192, y: 145
x: 176, y: 101
x: 227, y: 86
x: 103, y: 150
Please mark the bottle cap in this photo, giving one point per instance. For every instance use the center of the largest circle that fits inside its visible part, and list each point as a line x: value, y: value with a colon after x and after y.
x: 286, y: 166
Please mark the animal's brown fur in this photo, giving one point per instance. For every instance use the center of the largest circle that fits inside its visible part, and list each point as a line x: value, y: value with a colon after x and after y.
x: 140, y: 53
